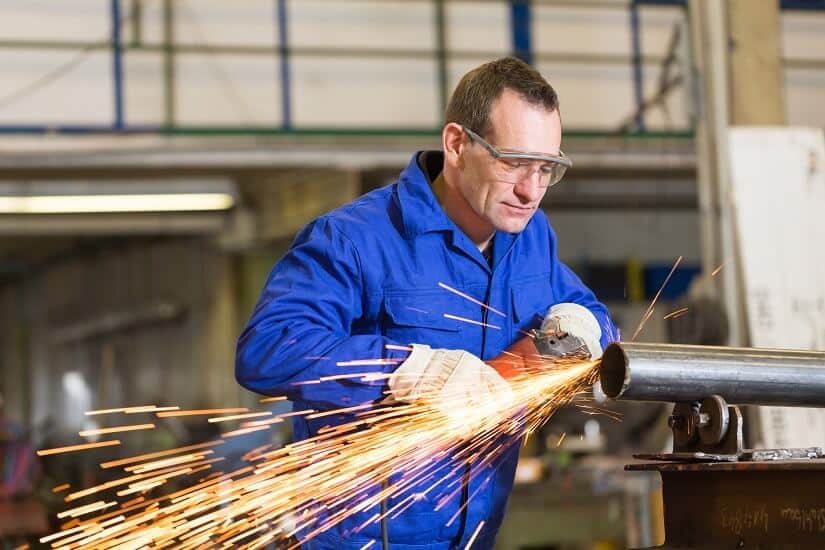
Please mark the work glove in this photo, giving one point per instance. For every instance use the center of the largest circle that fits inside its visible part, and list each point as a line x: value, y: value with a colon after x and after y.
x: 569, y: 330
x: 457, y: 383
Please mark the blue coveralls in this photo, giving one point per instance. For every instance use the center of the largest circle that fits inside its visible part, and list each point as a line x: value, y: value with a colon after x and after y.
x: 367, y: 275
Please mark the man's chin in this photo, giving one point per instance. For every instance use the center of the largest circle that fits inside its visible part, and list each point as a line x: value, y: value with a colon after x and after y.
x: 513, y: 225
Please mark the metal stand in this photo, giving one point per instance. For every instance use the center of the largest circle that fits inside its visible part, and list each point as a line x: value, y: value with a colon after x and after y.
x: 717, y: 494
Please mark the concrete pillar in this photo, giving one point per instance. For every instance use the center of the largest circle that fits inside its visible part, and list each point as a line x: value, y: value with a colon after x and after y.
x: 756, y: 79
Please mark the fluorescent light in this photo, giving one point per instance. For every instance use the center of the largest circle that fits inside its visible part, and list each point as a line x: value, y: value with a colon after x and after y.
x: 113, y: 203
x: 114, y: 196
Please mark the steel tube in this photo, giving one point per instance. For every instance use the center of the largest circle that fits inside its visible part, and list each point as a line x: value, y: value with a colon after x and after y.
x: 743, y: 376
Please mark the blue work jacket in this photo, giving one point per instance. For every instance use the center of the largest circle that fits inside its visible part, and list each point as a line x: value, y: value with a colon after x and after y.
x: 367, y: 275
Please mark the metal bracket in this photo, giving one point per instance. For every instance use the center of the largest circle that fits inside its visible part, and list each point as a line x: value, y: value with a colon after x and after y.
x: 706, y: 431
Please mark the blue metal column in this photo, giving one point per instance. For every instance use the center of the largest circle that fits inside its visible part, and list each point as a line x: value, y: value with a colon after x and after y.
x: 283, y: 50
x: 117, y: 65
x: 638, y: 75
x: 521, y: 20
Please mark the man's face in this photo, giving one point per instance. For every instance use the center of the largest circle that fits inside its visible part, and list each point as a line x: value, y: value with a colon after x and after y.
x: 517, y: 126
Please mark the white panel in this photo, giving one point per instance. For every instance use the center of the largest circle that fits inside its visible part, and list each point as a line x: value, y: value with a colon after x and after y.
x: 361, y: 92
x: 789, y: 271
x: 674, y: 113
x: 251, y: 22
x: 227, y: 89
x: 657, y: 24
x: 457, y: 68
x: 558, y: 29
x: 782, y: 261
x: 474, y: 26
x: 81, y: 96
x: 363, y: 24
x: 150, y: 24
x: 143, y: 76
x: 580, y: 30
x: 591, y: 96
x: 803, y: 35
x: 804, y: 89
x: 86, y: 20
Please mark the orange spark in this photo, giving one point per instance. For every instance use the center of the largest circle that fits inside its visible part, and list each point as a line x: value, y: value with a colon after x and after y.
x: 360, y: 362
x: 470, y: 298
x: 465, y: 320
x: 158, y: 454
x: 475, y: 534
x: 238, y: 416
x: 649, y: 311
x: 272, y: 399
x: 201, y: 412
x: 116, y: 429
x: 676, y: 313
x: 71, y: 448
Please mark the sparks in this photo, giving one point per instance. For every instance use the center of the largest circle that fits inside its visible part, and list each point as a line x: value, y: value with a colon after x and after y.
x: 677, y: 313
x: 116, y: 429
x: 465, y: 320
x: 470, y: 298
x: 649, y: 311
x: 314, y: 484
x: 83, y: 447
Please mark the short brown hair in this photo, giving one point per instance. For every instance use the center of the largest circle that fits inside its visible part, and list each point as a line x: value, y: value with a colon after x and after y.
x: 475, y: 94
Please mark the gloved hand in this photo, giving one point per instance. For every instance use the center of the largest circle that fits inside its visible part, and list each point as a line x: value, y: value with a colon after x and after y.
x: 456, y: 382
x: 569, y: 329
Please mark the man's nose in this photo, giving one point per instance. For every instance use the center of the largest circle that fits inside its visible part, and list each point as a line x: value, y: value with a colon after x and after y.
x: 529, y: 188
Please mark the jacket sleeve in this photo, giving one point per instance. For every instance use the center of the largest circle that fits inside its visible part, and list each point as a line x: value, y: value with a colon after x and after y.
x: 301, y: 328
x: 567, y: 287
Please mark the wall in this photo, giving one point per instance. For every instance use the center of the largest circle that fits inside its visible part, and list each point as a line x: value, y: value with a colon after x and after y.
x: 375, y: 58
x: 353, y: 63
x: 148, y: 323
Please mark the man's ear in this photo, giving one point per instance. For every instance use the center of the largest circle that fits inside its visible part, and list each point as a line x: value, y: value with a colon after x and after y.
x: 452, y: 143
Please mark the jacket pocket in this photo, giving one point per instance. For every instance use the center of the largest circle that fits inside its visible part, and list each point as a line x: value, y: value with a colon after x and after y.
x: 415, y: 318
x: 532, y: 298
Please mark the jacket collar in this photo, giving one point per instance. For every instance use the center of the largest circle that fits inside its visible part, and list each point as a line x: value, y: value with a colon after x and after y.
x: 420, y: 210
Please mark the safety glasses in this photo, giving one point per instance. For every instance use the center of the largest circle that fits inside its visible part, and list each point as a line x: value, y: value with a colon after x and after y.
x: 516, y: 167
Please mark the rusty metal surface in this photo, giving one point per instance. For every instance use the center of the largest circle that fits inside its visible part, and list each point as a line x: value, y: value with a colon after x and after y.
x: 773, y: 465
x: 746, y: 505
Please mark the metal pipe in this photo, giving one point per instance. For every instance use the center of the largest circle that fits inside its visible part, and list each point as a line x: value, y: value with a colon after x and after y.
x: 744, y: 376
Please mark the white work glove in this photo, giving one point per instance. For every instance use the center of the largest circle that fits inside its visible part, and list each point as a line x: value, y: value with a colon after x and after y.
x: 457, y: 383
x: 569, y: 319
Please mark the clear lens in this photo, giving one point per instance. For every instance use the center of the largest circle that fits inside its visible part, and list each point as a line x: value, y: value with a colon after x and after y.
x: 515, y: 171
x: 518, y: 167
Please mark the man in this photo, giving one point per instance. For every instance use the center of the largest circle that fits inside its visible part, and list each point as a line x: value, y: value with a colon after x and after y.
x: 373, y: 273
